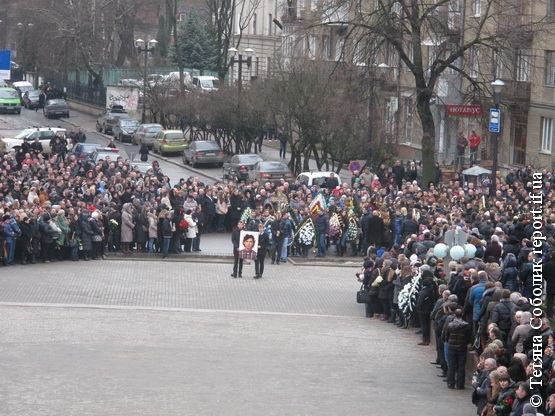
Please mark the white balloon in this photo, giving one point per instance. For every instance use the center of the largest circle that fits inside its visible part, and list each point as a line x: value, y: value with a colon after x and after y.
x: 456, y: 252
x: 440, y: 250
x: 469, y: 250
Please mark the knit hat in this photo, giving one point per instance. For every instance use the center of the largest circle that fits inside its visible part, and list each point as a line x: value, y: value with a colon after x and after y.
x: 529, y: 410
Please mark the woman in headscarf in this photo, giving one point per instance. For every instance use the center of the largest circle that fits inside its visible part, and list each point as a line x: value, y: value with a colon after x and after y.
x: 127, y: 226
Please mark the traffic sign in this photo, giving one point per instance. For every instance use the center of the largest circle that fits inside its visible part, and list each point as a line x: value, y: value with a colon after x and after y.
x: 494, y: 120
x: 5, y: 64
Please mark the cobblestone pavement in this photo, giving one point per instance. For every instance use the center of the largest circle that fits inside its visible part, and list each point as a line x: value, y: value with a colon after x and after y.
x: 124, y: 338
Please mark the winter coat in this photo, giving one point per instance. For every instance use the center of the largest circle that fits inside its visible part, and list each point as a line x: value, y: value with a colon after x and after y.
x: 166, y: 228
x: 322, y: 224
x: 457, y: 334
x: 502, y: 315
x: 152, y: 227
x: 493, y: 249
x: 141, y: 228
x: 62, y: 222
x: 426, y: 297
x: 549, y: 276
x: 85, y: 233
x: 376, y: 228
x: 475, y: 299
x: 505, y: 400
x: 127, y: 224
x: 192, y: 230
x: 509, y: 275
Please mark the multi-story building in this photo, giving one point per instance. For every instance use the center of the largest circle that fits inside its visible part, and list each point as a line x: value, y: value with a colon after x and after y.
x: 256, y: 26
x: 525, y: 61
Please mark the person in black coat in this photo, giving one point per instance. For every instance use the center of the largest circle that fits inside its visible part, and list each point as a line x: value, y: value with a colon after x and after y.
x: 26, y: 241
x: 549, y: 277
x: 143, y: 151
x: 425, y: 304
x: 236, y: 239
x: 263, y: 244
x: 375, y: 231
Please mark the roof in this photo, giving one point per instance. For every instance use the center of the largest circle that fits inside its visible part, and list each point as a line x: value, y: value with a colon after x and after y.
x: 476, y: 171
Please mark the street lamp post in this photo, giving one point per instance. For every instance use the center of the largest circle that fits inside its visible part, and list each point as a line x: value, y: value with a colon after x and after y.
x: 240, y: 60
x: 378, y: 77
x: 497, y: 86
x: 145, y: 48
x: 23, y: 49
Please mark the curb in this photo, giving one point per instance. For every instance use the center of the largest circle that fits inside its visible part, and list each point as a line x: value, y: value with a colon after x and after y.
x: 324, y: 263
x: 175, y: 258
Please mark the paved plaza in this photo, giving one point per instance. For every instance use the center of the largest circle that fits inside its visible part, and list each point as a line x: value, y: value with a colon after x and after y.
x: 175, y: 338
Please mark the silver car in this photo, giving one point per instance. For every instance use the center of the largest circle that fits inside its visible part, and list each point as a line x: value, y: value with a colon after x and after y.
x: 146, y: 134
x: 203, y: 152
x: 270, y: 171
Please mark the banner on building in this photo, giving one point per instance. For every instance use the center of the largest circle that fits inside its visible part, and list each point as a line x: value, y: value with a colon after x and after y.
x: 128, y: 97
x: 472, y: 110
x: 5, y: 64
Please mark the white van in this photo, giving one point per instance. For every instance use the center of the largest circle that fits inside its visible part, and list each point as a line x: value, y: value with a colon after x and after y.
x: 172, y: 79
x: 23, y: 86
x: 316, y: 178
x: 206, y: 83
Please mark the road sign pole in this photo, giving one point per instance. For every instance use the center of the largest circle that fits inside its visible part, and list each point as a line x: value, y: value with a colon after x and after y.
x: 495, y: 129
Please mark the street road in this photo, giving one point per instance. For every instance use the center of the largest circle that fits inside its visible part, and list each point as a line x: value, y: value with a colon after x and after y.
x: 164, y: 338
x: 11, y: 124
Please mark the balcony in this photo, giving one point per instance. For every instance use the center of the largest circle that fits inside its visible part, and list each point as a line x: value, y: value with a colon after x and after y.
x: 517, y: 93
x: 519, y: 29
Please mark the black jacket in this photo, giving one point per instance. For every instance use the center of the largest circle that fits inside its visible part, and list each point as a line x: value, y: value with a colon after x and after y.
x: 235, y: 238
x: 502, y: 314
x: 549, y: 276
x: 457, y: 334
x: 426, y: 297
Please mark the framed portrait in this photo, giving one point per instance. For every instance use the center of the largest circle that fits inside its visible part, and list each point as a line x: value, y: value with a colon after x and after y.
x: 248, y: 244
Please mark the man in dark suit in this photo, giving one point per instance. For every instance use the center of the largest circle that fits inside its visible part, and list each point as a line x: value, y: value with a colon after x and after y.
x: 263, y: 244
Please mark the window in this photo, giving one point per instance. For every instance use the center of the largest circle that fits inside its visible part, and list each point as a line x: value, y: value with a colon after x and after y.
x: 339, y: 43
x: 551, y: 9
x: 390, y: 111
x: 270, y: 24
x: 311, y: 46
x: 523, y: 65
x: 546, y: 134
x: 497, y: 65
x: 474, y: 61
x: 477, y: 8
x: 358, y: 55
x: 407, y: 128
x: 326, y: 49
x: 550, y: 68
x: 254, y: 24
x: 181, y: 17
x: 453, y: 14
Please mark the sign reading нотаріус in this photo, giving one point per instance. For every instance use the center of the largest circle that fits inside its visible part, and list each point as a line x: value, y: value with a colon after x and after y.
x: 472, y: 110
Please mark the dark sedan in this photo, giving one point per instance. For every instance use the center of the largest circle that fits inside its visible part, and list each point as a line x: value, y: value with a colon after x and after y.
x: 31, y: 99
x: 271, y: 172
x: 239, y: 166
x: 203, y: 152
x: 124, y: 129
x: 56, y: 108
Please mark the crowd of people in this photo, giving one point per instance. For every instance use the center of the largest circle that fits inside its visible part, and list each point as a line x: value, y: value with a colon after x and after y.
x: 58, y: 207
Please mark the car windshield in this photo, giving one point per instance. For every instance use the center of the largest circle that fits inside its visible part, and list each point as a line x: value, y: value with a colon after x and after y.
x: 249, y: 159
x: 8, y: 94
x: 209, y: 83
x: 207, y: 146
x: 174, y: 136
x: 154, y: 129
x: 273, y: 167
x: 33, y: 94
x: 56, y: 102
x: 22, y: 135
x: 129, y: 122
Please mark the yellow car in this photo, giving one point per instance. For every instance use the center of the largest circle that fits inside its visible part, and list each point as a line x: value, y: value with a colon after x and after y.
x: 169, y: 141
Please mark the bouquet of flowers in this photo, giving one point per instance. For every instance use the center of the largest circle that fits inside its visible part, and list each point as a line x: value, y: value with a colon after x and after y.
x: 246, y: 215
x: 335, y: 225
x: 113, y: 224
x: 352, y: 232
x: 306, y: 233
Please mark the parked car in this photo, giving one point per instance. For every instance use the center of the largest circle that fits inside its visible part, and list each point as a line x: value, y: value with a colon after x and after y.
x: 206, y: 83
x: 124, y: 129
x: 22, y: 87
x: 169, y: 141
x: 10, y: 101
x: 84, y: 150
x: 270, y: 171
x: 203, y: 152
x: 44, y: 134
x: 31, y: 99
x: 239, y: 166
x: 316, y: 178
x: 146, y: 133
x: 56, y: 108
x: 104, y: 152
x: 108, y: 117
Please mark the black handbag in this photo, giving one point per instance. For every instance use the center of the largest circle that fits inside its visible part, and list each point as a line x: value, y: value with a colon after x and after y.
x: 363, y: 295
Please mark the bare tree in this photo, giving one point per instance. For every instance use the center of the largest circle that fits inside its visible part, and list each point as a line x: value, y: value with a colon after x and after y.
x: 431, y: 37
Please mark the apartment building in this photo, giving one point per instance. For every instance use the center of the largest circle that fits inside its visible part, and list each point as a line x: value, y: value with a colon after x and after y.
x: 257, y: 27
x: 526, y: 64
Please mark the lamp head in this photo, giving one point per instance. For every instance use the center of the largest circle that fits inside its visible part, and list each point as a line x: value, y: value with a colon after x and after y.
x: 249, y: 51
x: 232, y: 51
x: 497, y: 86
x: 139, y: 43
x: 152, y: 43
